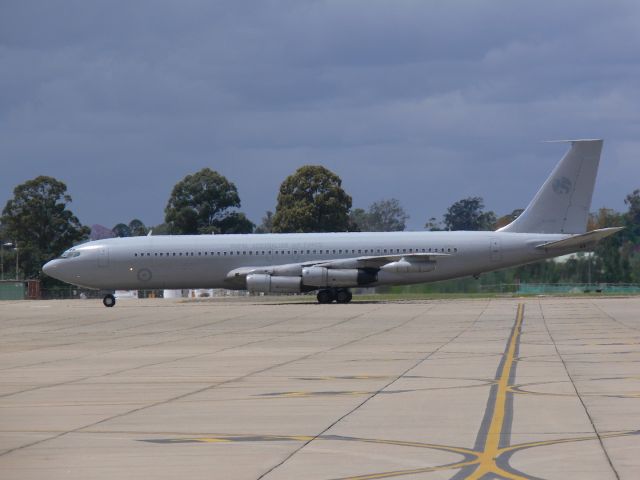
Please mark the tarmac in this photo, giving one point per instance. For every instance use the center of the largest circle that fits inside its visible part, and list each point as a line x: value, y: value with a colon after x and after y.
x: 457, y: 389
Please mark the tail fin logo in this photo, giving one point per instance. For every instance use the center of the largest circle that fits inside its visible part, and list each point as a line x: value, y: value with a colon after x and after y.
x: 562, y: 185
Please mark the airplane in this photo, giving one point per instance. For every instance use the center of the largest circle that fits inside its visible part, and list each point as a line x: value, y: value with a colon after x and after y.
x: 553, y: 224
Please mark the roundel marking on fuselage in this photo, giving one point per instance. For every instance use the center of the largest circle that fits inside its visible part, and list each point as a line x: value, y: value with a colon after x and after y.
x: 144, y: 275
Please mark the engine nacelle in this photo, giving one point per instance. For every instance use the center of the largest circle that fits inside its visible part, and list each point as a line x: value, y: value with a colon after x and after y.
x: 334, y: 277
x: 402, y: 266
x: 261, y: 282
x: 293, y: 270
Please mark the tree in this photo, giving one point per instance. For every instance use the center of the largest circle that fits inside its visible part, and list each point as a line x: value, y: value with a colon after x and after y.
x: 387, y: 216
x: 203, y: 203
x: 312, y: 200
x: 359, y: 220
x: 433, y: 225
x: 137, y: 228
x: 37, y: 219
x: 267, y: 223
x: 383, y: 216
x: 160, y: 229
x: 235, y: 222
x: 632, y: 234
x: 505, y: 220
x: 610, y: 263
x: 121, y: 230
x: 632, y: 217
x: 468, y: 214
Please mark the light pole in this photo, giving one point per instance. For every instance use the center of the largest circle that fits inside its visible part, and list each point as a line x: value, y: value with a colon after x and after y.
x: 7, y: 244
x: 15, y: 246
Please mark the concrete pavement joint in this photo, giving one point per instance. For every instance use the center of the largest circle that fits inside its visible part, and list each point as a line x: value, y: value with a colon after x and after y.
x: 374, y: 394
x: 575, y: 388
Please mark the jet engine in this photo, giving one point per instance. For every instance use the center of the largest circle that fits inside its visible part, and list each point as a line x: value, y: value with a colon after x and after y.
x: 262, y: 282
x: 334, y: 277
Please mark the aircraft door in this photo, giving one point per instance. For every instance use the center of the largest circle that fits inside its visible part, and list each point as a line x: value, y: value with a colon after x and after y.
x: 103, y: 257
x: 494, y: 247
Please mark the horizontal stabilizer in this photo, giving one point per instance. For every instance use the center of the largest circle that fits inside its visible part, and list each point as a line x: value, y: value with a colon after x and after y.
x: 580, y: 241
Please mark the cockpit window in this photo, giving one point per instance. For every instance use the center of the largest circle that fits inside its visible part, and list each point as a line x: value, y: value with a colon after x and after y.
x: 70, y: 254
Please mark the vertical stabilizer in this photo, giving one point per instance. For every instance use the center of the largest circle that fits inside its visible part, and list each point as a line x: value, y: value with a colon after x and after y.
x: 562, y: 204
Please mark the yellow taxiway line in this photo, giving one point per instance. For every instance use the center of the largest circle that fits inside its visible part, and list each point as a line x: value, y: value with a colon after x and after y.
x: 491, y: 449
x: 486, y: 460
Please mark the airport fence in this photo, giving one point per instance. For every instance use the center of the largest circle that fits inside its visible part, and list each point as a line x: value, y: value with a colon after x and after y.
x: 577, y: 288
x: 11, y: 291
x: 473, y: 288
x: 70, y: 293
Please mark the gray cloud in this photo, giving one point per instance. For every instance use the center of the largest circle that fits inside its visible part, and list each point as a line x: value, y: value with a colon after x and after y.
x: 424, y: 101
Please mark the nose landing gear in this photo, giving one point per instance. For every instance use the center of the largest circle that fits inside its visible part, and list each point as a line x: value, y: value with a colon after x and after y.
x: 339, y: 295
x: 109, y: 300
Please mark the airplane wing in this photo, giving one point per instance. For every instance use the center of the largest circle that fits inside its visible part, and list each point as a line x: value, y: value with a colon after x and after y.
x: 377, y: 261
x: 580, y: 241
x: 368, y: 262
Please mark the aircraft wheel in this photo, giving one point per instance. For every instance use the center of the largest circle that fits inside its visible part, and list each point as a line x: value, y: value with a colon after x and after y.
x: 325, y: 296
x: 109, y: 300
x: 343, y: 296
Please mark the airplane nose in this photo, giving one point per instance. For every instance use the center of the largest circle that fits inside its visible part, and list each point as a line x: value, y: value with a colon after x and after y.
x: 49, y: 268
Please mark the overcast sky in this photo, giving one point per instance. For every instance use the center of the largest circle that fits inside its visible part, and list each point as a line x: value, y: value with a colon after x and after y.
x: 425, y: 101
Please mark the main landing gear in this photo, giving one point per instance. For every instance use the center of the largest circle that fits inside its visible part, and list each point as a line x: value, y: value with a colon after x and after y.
x: 109, y: 300
x: 339, y: 295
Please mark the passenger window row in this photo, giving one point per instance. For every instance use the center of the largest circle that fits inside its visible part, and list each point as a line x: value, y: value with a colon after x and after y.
x: 365, y: 251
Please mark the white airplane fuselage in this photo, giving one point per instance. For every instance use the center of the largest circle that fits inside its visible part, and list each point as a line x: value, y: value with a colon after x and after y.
x: 204, y: 261
x: 553, y: 224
